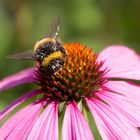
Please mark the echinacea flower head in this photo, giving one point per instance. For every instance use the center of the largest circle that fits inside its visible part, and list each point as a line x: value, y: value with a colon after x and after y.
x: 100, y: 84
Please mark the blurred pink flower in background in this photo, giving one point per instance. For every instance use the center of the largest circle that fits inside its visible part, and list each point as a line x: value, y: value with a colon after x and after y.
x: 87, y: 83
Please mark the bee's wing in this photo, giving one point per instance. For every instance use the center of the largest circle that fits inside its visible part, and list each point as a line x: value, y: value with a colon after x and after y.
x: 27, y: 55
x: 54, y: 28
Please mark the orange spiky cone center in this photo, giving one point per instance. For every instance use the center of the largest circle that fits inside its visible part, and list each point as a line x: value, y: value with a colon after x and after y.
x: 79, y: 77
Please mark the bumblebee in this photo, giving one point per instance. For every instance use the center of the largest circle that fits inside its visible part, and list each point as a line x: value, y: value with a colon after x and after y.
x: 49, y: 51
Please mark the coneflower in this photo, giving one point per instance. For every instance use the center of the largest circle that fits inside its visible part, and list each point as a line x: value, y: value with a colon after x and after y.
x: 87, y: 82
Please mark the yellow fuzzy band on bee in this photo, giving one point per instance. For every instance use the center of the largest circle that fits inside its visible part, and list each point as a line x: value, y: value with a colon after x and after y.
x: 52, y: 56
x: 42, y: 42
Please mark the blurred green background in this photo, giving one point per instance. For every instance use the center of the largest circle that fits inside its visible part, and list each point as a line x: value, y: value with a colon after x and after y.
x: 96, y: 23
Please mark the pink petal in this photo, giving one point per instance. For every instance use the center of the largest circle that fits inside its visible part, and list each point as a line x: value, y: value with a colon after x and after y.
x: 25, y: 76
x: 19, y: 125
x: 111, y: 124
x: 129, y: 90
x: 46, y: 127
x: 17, y: 102
x: 122, y: 62
x: 74, y: 125
x: 124, y: 105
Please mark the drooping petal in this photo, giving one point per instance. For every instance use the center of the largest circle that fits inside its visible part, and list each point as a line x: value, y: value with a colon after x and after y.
x: 122, y: 62
x: 19, y: 125
x: 25, y: 76
x: 124, y: 105
x: 111, y: 123
x: 46, y: 127
x: 74, y: 125
x: 17, y: 102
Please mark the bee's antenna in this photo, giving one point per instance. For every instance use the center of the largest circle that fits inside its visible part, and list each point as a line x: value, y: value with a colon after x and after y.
x: 50, y: 34
x: 56, y: 34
